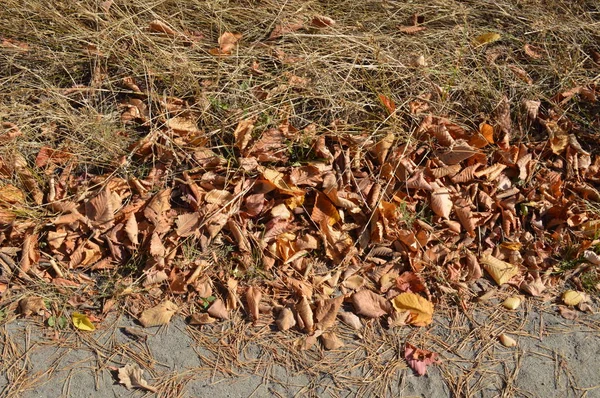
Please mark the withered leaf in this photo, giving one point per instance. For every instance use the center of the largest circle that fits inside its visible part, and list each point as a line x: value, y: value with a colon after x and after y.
x: 440, y: 202
x: 331, y: 341
x: 218, y: 310
x: 158, y: 315
x: 419, y: 359
x: 501, y: 271
x: 285, y: 319
x: 187, y: 224
x: 327, y: 311
x: 32, y: 306
x: 305, y: 314
x: 421, y: 310
x: 351, y: 319
x: 370, y: 304
x: 253, y: 296
x: 132, y: 377
x: 131, y: 229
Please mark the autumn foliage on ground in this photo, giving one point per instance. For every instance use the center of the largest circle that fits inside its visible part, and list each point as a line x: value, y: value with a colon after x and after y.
x: 279, y: 169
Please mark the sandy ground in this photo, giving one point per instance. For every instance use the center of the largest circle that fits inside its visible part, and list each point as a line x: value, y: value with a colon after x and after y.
x: 554, y: 357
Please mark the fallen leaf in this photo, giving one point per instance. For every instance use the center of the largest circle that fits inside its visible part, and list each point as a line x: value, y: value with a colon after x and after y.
x: 286, y: 319
x: 158, y: 26
x: 512, y: 303
x: 305, y: 314
x: 351, y: 319
x: 158, y: 315
x: 573, y: 297
x: 331, y: 341
x: 253, y: 296
x: 131, y: 377
x: 218, y: 310
x: 507, y: 341
x: 326, y: 312
x: 370, y: 304
x: 568, y: 313
x: 487, y: 38
x: 440, y: 202
x: 82, y: 322
x: 227, y: 43
x: 201, y: 319
x: 418, y: 359
x: 32, y: 306
x: 411, y: 30
x: 532, y: 51
x: 500, y: 271
x: 187, y: 224
x: 322, y: 21
x: 389, y: 103
x: 421, y: 310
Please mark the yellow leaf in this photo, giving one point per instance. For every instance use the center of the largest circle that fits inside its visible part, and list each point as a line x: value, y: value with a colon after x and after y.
x: 82, y: 322
x: 486, y: 38
x: 500, y: 270
x: 421, y: 310
x: 572, y: 297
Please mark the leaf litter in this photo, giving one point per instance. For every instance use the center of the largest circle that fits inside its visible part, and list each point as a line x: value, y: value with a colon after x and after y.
x: 364, y: 224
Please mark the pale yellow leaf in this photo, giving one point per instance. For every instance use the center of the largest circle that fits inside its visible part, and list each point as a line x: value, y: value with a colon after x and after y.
x: 500, y: 271
x: 82, y: 322
x: 421, y: 310
x: 159, y: 315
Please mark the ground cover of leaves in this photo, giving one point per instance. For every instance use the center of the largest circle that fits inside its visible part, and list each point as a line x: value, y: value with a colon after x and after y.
x: 297, y: 163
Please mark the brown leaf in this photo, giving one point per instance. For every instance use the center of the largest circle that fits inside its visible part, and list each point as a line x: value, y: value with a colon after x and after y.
x: 161, y: 27
x: 30, y: 253
x: 351, y: 320
x: 327, y: 311
x: 253, y: 296
x: 440, y: 202
x: 101, y: 211
x: 331, y: 341
x: 157, y: 249
x: 218, y: 310
x: 47, y: 155
x: 286, y: 319
x: 243, y: 133
x: 158, y: 315
x: 370, y: 304
x: 187, y: 224
x: 389, y: 103
x: 32, y: 306
x: 132, y: 377
x: 322, y: 21
x: 411, y: 30
x: 532, y: 51
x: 201, y: 319
x: 419, y: 359
x: 305, y: 314
x: 227, y: 43
x: 131, y: 229
x: 285, y: 28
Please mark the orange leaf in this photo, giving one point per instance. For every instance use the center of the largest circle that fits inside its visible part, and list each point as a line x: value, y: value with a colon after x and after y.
x: 389, y: 103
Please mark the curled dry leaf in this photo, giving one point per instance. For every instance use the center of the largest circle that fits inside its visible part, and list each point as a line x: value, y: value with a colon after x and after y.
x: 232, y: 296
x: 512, y: 303
x: 370, y: 304
x: 507, y: 341
x: 500, y: 271
x: 327, y: 311
x: 131, y: 229
x: 201, y: 319
x: 158, y: 26
x: 487, y: 38
x: 227, y: 42
x: 131, y: 376
x: 591, y: 257
x: 305, y: 315
x: 567, y: 313
x: 158, y: 315
x: 331, y: 341
x: 218, y: 310
x: 32, y: 306
x: 421, y: 310
x: 286, y: 319
x: 351, y: 319
x: 418, y: 359
x: 322, y: 21
x: 253, y: 296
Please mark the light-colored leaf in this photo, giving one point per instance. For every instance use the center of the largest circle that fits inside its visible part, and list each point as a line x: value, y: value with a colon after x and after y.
x: 82, y: 322
x: 512, y: 303
x: 253, y: 297
x: 500, y: 271
x: 286, y: 319
x: 218, y: 310
x: 418, y: 359
x: 187, y: 224
x: 370, y: 304
x: 440, y: 203
x: 305, y: 315
x: 351, y: 320
x: 131, y: 229
x: 158, y: 315
x: 573, y: 297
x: 32, y: 306
x: 331, y: 341
x: 507, y: 341
x: 131, y: 376
x: 421, y: 310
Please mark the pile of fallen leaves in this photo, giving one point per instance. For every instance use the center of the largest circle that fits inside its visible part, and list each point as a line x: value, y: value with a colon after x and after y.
x: 367, y: 226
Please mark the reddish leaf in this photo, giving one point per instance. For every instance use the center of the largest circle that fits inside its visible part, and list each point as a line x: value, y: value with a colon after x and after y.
x: 418, y: 359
